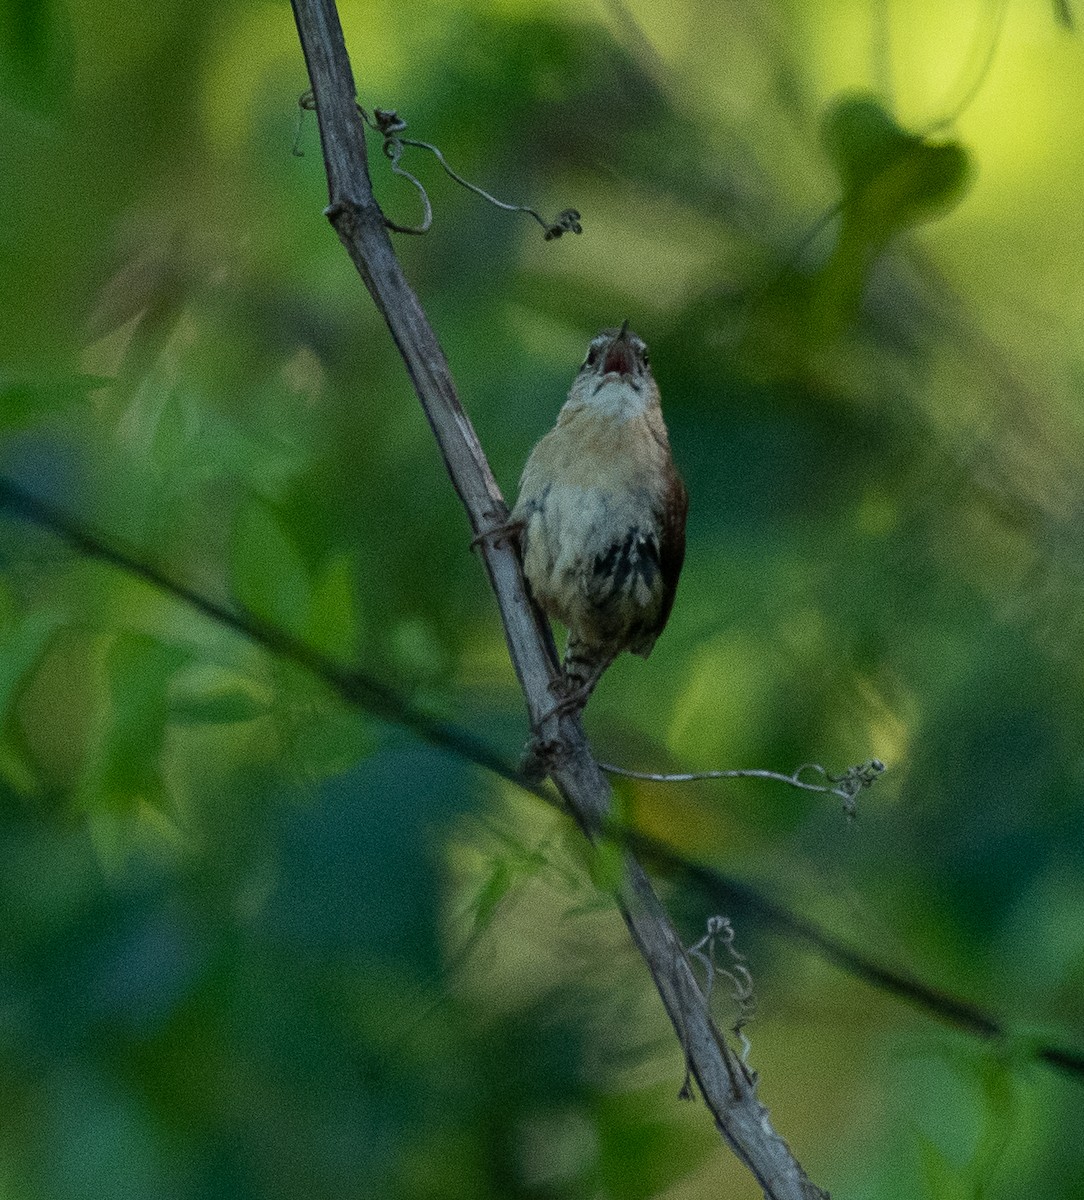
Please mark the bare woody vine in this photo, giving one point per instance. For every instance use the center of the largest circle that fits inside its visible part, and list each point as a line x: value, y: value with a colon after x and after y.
x: 727, y: 1084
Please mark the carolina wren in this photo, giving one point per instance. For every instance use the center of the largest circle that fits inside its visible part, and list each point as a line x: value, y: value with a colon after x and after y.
x: 601, y: 514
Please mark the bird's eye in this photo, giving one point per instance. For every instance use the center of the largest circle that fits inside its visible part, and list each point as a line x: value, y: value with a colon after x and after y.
x: 592, y: 356
x: 644, y: 358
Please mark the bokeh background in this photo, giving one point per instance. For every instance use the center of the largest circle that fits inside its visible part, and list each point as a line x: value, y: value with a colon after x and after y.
x: 254, y: 943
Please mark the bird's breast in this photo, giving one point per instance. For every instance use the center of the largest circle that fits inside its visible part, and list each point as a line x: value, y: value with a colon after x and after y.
x: 589, y: 502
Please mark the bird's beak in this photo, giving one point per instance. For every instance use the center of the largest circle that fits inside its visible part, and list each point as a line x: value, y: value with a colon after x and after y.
x: 619, y: 355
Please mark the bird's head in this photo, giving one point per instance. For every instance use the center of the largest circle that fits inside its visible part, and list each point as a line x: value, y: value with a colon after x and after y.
x: 616, y: 359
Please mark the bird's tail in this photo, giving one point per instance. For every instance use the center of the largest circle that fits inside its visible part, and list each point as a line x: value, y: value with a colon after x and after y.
x: 583, y: 666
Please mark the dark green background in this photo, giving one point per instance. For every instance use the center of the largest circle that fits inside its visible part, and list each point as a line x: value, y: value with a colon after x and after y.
x: 253, y: 944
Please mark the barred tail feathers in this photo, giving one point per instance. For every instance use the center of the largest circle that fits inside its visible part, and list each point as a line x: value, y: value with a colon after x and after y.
x: 584, y: 665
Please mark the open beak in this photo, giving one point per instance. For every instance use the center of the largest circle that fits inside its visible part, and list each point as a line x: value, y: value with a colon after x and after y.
x: 619, y: 353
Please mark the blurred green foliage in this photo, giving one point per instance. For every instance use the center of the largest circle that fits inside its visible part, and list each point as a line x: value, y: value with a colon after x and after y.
x: 257, y: 944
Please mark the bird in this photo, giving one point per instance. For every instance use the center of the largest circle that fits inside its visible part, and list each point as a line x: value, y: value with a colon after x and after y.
x: 600, y: 515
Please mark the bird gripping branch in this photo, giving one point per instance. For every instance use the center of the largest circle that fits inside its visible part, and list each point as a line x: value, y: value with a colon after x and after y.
x: 601, y: 514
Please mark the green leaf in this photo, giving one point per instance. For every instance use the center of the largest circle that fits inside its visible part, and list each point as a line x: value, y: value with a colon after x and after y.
x: 124, y: 764
x: 942, y: 1179
x: 607, y: 867
x: 997, y: 1088
x: 891, y: 178
x: 269, y: 574
x: 964, y: 1113
x: 23, y: 640
x: 862, y: 139
x: 173, y: 423
x: 325, y: 738
x: 27, y: 400
x: 332, y: 624
x: 497, y: 884
x: 215, y: 697
x: 640, y: 1153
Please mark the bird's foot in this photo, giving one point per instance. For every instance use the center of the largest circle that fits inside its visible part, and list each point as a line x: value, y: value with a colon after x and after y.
x: 570, y: 698
x: 504, y: 531
x: 541, y: 756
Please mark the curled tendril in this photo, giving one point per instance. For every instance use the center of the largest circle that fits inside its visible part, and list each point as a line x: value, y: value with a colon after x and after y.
x: 306, y: 102
x: 720, y: 932
x: 390, y: 126
x: 852, y: 781
x: 567, y: 221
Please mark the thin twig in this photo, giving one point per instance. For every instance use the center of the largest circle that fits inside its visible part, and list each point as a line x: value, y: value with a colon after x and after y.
x: 846, y: 785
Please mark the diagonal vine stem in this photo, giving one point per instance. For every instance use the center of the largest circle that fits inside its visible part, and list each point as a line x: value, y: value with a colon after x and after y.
x: 727, y: 1085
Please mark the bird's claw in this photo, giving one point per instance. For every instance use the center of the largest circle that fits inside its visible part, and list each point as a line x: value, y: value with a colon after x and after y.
x: 505, y: 531
x: 571, y: 699
x: 541, y: 756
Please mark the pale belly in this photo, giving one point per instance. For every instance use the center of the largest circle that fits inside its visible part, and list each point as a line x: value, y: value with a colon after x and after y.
x: 591, y: 556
